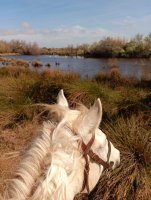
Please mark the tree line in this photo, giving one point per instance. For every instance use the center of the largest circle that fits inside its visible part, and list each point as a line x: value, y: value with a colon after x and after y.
x: 137, y: 47
x: 19, y: 47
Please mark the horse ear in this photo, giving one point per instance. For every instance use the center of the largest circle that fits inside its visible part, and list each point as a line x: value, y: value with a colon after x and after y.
x: 92, y: 119
x: 61, y: 99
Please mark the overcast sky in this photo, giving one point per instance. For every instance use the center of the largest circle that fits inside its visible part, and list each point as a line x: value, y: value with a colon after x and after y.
x: 58, y: 23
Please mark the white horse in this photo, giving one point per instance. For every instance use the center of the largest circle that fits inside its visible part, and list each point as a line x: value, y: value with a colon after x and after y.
x: 53, y: 167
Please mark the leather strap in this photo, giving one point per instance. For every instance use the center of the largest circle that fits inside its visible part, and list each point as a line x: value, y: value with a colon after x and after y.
x: 88, y: 152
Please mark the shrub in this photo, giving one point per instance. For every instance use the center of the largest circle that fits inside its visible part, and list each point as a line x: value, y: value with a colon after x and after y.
x: 48, y: 65
x: 36, y: 63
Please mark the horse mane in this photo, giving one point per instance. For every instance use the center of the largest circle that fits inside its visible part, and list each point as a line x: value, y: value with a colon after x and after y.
x: 31, y: 166
x: 54, y: 163
x: 34, y: 170
x: 59, y: 110
x: 55, y: 111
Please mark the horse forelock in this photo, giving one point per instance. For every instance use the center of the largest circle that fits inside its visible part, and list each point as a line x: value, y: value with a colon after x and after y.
x: 58, y: 112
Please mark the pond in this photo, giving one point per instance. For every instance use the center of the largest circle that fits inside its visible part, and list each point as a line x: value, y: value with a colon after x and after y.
x: 88, y: 67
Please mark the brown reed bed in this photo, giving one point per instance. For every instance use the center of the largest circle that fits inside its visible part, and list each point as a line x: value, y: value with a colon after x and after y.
x: 19, y: 63
x: 13, y: 71
x: 131, y: 180
x: 131, y: 134
x: 115, y: 80
x: 14, y: 62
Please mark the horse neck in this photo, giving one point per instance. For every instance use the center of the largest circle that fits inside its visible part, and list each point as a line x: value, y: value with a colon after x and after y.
x: 27, y: 173
x: 64, y: 177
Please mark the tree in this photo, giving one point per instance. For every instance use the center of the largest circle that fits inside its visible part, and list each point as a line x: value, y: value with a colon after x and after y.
x: 4, y: 47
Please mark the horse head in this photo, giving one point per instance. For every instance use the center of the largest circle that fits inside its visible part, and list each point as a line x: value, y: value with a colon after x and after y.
x: 86, y: 125
x: 54, y: 166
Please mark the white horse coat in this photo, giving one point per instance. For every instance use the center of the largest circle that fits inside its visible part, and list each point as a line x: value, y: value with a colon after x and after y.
x: 53, y: 167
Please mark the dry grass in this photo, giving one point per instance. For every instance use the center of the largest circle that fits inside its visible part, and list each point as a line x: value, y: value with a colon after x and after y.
x: 113, y: 78
x: 19, y: 63
x: 133, y: 138
x: 57, y: 75
x: 15, y: 62
x: 132, y: 179
x: 20, y: 88
x: 48, y: 85
x: 13, y: 71
x: 13, y: 143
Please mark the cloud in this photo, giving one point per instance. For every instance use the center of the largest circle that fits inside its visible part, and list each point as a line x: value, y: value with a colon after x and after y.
x: 132, y: 25
x: 66, y: 35
x: 55, y: 37
x: 26, y: 25
x: 25, y: 29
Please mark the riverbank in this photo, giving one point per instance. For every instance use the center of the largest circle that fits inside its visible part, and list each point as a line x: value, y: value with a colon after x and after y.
x: 9, y: 54
x: 109, y: 47
x: 126, y: 122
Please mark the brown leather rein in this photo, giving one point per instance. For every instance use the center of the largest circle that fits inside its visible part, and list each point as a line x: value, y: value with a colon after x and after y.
x: 87, y: 151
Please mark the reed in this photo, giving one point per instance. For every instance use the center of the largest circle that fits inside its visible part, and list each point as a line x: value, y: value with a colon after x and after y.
x: 126, y: 122
x: 132, y: 179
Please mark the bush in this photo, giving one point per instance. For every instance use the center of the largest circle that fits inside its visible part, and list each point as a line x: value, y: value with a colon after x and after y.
x: 48, y: 65
x: 36, y: 63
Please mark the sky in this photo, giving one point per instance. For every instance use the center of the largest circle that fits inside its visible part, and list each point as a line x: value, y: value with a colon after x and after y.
x: 59, y: 23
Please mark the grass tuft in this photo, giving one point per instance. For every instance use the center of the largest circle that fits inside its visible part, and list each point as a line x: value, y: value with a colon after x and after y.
x: 131, y: 180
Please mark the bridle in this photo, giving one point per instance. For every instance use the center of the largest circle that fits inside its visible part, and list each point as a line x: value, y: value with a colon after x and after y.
x: 87, y: 151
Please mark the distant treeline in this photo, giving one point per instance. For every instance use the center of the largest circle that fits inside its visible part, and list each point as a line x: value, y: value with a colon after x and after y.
x: 19, y: 47
x: 66, y: 51
x: 137, y: 47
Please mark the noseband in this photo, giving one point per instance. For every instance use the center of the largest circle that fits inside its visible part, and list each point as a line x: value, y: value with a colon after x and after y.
x: 87, y: 151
